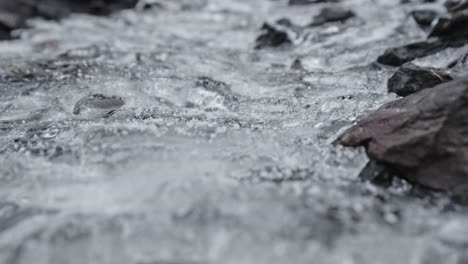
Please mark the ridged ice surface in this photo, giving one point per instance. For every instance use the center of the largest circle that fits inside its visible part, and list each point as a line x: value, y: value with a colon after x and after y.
x: 220, y: 153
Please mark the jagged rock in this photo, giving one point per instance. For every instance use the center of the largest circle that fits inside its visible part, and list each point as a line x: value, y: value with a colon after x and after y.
x: 411, y: 78
x: 332, y: 14
x: 424, y: 17
x: 307, y: 2
x: 98, y: 105
x: 272, y: 36
x: 448, y: 32
x: 422, y: 138
x: 399, y: 56
x: 14, y: 14
x: 452, y: 29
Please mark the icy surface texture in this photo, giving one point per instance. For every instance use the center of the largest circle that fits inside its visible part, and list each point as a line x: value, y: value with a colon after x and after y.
x: 162, y: 136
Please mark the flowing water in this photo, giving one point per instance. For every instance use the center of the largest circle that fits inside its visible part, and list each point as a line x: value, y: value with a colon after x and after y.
x: 220, y: 154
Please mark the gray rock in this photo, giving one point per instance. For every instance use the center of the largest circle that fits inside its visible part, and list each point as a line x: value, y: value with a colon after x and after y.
x: 424, y: 17
x: 332, y: 14
x: 422, y: 137
x: 448, y: 32
x: 452, y: 28
x: 14, y: 14
x: 272, y: 37
x: 410, y: 78
x: 400, y: 55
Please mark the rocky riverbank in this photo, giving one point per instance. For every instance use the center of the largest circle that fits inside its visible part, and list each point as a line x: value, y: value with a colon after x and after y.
x: 203, y: 131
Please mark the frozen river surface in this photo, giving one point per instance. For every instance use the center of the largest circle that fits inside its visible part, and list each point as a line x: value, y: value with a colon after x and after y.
x: 209, y: 151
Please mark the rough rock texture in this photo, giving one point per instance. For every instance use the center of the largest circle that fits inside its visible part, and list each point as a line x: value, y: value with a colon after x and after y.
x: 410, y: 78
x: 14, y: 14
x: 221, y: 153
x: 453, y: 28
x: 449, y: 31
x: 401, y: 55
x: 422, y: 137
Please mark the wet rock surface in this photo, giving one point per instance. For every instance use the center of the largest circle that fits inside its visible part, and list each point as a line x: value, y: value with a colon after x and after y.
x: 421, y: 138
x: 452, y: 28
x: 218, y: 152
x: 400, y: 55
x: 450, y: 31
x: 14, y: 14
x: 410, y: 78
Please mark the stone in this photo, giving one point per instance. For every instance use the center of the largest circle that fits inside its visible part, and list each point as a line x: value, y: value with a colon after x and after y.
x: 272, y: 37
x: 422, y: 138
x: 332, y: 14
x: 411, y: 78
x: 424, y: 17
x: 14, y: 14
x: 400, y: 55
x: 453, y: 28
x: 98, y: 105
x: 448, y: 32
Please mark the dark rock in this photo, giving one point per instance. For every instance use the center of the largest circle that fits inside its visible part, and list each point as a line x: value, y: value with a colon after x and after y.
x: 308, y: 2
x: 145, y: 6
x: 411, y: 78
x: 456, y: 5
x: 454, y: 28
x: 422, y: 138
x: 4, y: 31
x: 272, y: 37
x: 448, y: 32
x: 14, y: 14
x: 297, y: 65
x: 98, y: 105
x: 459, y: 195
x: 424, y: 17
x: 399, y: 56
x: 332, y: 14
x: 377, y: 174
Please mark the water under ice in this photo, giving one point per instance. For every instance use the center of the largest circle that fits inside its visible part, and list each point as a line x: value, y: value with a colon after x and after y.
x: 220, y: 154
